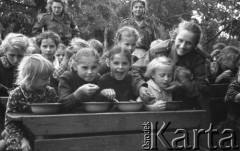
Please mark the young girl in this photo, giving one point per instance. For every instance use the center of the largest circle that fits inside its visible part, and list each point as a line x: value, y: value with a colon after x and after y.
x: 117, y: 83
x: 48, y: 42
x: 126, y: 37
x: 33, y: 78
x: 225, y: 68
x: 13, y: 47
x: 232, y: 98
x: 161, y: 72
x: 60, y: 53
x: 79, y: 85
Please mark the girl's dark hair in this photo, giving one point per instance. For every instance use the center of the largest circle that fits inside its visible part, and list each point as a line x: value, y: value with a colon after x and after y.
x: 219, y: 46
x: 229, y: 53
x: 120, y: 50
x: 45, y: 35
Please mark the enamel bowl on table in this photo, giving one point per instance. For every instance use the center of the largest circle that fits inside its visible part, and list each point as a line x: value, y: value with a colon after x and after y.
x: 95, y: 107
x: 129, y: 106
x: 45, y: 108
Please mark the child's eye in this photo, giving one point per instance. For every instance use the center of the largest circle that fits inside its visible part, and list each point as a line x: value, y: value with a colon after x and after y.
x: 116, y: 63
x: 94, y: 67
x: 85, y: 68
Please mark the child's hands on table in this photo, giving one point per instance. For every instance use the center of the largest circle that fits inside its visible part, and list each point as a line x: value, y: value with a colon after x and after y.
x: 109, y: 93
x: 145, y: 95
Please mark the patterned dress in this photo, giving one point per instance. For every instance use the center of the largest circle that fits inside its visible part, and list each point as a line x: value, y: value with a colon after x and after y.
x: 17, y: 101
x: 233, y: 119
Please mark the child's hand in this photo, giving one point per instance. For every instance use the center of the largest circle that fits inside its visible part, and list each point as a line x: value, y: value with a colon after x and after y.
x: 157, y: 106
x: 69, y: 52
x: 237, y: 98
x: 145, y: 95
x: 25, y: 145
x: 174, y: 85
x: 88, y: 89
x: 225, y: 74
x: 109, y: 93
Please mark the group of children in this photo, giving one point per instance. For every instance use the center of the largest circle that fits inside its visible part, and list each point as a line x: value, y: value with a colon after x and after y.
x: 74, y: 71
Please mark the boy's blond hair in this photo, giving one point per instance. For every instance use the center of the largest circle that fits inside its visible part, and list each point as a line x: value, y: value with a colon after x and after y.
x: 157, y: 63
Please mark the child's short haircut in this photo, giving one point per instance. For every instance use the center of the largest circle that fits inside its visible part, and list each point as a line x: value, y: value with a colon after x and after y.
x: 85, y: 52
x: 126, y: 31
x: 120, y: 50
x: 157, y: 64
x: 15, y: 41
x: 229, y: 53
x: 219, y: 46
x: 33, y: 66
x: 96, y: 45
x: 45, y: 35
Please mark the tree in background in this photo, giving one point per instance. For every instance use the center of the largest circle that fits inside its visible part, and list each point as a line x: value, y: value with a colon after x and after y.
x: 100, y: 18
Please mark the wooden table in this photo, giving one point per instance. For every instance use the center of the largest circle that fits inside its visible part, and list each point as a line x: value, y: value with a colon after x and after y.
x: 111, y: 131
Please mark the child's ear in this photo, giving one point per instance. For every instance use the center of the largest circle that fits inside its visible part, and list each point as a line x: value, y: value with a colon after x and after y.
x: 107, y: 61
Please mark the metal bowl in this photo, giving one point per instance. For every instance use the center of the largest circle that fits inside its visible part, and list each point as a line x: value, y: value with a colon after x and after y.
x: 129, y: 106
x: 173, y: 105
x: 45, y: 108
x: 97, y: 106
x: 4, y: 100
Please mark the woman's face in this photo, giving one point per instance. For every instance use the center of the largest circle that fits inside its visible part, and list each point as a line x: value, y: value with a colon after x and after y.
x: 138, y: 9
x: 57, y: 8
x: 185, y: 42
x: 14, y: 56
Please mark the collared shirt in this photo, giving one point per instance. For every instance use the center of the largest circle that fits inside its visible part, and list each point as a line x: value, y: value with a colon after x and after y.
x: 159, y: 93
x: 64, y: 26
x: 17, y: 101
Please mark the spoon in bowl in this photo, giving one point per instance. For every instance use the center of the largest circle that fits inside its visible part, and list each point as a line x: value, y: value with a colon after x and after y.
x: 116, y: 100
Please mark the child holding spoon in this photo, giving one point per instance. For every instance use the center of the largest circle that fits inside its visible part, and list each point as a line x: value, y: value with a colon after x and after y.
x: 116, y: 85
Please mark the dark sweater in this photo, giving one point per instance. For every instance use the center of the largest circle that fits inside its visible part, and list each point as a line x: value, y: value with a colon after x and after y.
x: 122, y: 88
x: 69, y: 82
x: 7, y: 78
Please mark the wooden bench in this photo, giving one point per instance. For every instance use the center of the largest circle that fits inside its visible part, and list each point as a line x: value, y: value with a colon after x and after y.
x: 111, y: 131
x: 218, y: 108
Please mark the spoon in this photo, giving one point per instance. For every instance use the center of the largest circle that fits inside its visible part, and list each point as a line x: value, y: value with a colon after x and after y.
x: 116, y: 100
x: 4, y: 87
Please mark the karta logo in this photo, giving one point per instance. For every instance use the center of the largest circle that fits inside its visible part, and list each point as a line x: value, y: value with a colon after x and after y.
x: 225, y: 139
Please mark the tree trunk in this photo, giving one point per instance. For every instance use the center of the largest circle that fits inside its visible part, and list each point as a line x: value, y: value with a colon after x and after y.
x: 105, y: 39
